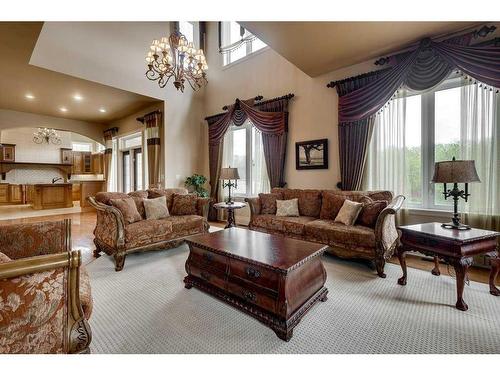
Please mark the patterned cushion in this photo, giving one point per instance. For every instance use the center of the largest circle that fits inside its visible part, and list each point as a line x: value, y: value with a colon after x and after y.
x: 327, y: 231
x: 156, y: 208
x: 268, y: 202
x: 105, y: 197
x: 309, y: 202
x: 4, y: 258
x: 186, y: 224
x: 128, y: 209
x: 138, y: 197
x: 349, y: 212
x: 184, y: 204
x: 147, y: 232
x: 287, y: 207
x: 330, y: 205
x: 85, y: 293
x: 369, y: 214
x: 169, y: 193
x: 285, y: 225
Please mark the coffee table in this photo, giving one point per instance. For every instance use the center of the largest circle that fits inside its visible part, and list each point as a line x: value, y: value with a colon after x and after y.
x: 272, y: 278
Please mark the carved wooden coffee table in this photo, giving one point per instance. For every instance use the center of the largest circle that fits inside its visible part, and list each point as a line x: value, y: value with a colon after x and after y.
x: 272, y: 278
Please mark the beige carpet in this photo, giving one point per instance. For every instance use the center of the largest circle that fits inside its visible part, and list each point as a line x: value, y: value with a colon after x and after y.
x: 146, y: 309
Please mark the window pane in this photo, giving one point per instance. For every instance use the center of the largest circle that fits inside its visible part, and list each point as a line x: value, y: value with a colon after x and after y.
x: 446, y: 133
x: 138, y: 170
x: 126, y: 172
x: 187, y: 28
x: 258, y: 44
x: 413, y: 152
x: 86, y: 147
x: 260, y: 181
x: 235, y: 152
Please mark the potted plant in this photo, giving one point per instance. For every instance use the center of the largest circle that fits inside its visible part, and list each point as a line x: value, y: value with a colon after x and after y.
x: 195, y: 183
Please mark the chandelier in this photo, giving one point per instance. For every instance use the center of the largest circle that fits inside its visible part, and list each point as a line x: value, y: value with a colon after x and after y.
x: 176, y: 57
x: 44, y: 135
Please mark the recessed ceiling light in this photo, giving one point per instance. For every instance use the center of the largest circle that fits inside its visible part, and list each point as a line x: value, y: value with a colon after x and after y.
x: 102, y: 110
x: 77, y: 97
x: 29, y: 96
x: 63, y: 109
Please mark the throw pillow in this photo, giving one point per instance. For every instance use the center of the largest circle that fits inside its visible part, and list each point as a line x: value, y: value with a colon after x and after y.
x: 156, y: 208
x: 138, y: 197
x: 287, y: 208
x: 4, y: 258
x: 184, y: 204
x: 369, y: 214
x: 268, y: 202
x: 309, y: 202
x: 330, y: 205
x: 128, y: 209
x: 349, y: 212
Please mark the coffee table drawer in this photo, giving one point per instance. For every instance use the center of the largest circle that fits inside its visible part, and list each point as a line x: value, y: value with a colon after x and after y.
x: 255, y: 274
x: 208, y: 276
x: 209, y: 259
x: 253, y: 297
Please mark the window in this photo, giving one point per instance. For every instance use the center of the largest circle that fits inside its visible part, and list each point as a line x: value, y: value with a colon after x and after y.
x: 82, y: 146
x: 187, y: 29
x: 243, y: 150
x: 456, y: 119
x: 131, y: 163
x: 232, y: 34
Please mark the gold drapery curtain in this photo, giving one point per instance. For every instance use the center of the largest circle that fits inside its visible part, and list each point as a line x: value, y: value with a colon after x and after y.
x: 153, y: 144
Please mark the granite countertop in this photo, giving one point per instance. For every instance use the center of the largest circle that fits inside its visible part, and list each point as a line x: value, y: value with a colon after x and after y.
x: 56, y: 184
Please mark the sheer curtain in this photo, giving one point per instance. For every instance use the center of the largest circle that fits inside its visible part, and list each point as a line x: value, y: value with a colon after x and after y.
x: 479, y: 141
x: 260, y: 180
x: 386, y: 165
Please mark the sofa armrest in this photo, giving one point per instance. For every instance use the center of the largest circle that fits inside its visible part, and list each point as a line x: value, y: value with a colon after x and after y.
x: 41, y: 311
x: 203, y: 206
x: 254, y: 204
x: 23, y: 240
x: 386, y: 234
x: 110, y: 225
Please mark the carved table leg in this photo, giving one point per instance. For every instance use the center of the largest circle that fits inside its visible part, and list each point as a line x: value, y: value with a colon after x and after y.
x: 461, y: 268
x: 495, y: 268
x: 435, y: 271
x: 231, y: 222
x: 285, y: 336
x: 402, y: 261
x: 187, y: 284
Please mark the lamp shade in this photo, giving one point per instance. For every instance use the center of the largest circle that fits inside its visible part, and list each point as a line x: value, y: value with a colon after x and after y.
x: 455, y: 171
x: 229, y: 174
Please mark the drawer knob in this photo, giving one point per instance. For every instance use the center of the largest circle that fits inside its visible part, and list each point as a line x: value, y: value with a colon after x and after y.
x: 249, y: 296
x: 205, y: 276
x: 252, y: 272
x: 208, y: 257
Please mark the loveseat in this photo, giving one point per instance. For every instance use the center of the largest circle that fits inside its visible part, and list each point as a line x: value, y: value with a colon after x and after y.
x: 117, y: 238
x: 374, y: 238
x: 45, y: 297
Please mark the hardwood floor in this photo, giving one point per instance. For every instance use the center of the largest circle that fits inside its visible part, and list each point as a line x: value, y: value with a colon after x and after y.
x: 83, y: 225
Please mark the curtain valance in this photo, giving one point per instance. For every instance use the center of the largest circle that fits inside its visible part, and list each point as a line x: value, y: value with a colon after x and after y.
x: 421, y: 69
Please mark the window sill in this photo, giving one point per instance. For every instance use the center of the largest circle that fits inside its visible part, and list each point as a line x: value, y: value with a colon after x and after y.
x: 243, y: 59
x: 428, y: 212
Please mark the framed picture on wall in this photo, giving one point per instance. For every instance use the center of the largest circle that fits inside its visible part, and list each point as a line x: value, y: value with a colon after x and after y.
x: 311, y: 154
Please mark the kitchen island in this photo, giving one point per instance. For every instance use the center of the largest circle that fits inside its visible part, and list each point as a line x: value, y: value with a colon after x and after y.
x: 45, y: 196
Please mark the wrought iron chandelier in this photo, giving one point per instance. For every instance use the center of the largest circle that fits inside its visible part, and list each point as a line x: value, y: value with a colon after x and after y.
x: 176, y: 57
x: 44, y: 135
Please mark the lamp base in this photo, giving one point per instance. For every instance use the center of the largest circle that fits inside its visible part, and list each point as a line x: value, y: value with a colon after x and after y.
x: 229, y: 201
x: 455, y: 226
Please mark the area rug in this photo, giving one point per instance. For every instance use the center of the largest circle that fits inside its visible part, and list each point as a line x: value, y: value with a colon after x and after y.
x: 146, y: 309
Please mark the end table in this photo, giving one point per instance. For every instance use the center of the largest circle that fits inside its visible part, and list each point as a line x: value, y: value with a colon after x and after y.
x: 456, y: 247
x: 230, y: 207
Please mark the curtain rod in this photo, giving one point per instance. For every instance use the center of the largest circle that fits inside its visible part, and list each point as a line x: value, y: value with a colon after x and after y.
x: 141, y: 119
x: 287, y: 96
x: 258, y: 97
x: 114, y: 129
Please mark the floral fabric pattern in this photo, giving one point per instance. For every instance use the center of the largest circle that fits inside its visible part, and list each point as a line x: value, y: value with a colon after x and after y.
x: 168, y: 193
x: 349, y: 212
x: 138, y: 197
x: 286, y: 225
x: 331, y: 205
x: 128, y: 209
x: 268, y: 202
x: 288, y: 207
x: 184, y: 204
x: 145, y: 232
x: 156, y: 208
x: 370, y: 212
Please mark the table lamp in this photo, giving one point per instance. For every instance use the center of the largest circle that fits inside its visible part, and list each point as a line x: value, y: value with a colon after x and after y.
x: 229, y: 174
x: 455, y: 172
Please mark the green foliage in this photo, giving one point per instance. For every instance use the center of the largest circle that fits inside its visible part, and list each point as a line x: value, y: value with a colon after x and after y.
x: 197, y: 181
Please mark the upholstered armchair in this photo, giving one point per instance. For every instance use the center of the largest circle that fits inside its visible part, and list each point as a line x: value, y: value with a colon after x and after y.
x: 45, y: 298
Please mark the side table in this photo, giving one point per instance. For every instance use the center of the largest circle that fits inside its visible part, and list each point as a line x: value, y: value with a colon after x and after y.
x: 230, y: 207
x: 456, y: 247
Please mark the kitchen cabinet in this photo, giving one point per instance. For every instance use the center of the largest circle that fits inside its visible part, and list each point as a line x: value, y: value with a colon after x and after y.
x: 87, y: 162
x: 98, y: 163
x: 16, y: 194
x: 4, y: 193
x: 77, y: 163
x: 7, y: 152
x: 76, y: 191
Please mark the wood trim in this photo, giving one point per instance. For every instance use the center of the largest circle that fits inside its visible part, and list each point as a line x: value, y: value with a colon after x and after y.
x: 7, y: 166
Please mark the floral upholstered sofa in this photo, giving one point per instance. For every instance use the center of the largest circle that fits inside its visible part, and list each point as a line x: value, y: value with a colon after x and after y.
x: 45, y: 298
x: 373, y: 236
x: 117, y: 238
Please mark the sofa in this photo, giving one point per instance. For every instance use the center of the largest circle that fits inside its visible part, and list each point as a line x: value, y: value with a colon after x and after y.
x: 45, y: 297
x: 117, y: 238
x: 375, y: 239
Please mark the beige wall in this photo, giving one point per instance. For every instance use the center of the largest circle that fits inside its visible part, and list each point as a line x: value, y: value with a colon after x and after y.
x: 13, y: 119
x: 313, y: 110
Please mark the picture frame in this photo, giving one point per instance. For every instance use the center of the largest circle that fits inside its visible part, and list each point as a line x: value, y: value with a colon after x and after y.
x: 311, y: 154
